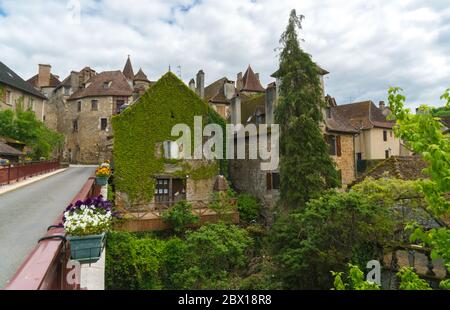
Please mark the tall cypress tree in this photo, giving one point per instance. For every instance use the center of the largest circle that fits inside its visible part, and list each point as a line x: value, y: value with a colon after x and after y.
x: 306, y: 168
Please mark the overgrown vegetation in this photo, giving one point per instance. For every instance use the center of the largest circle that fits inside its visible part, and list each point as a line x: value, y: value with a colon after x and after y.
x: 205, y: 259
x: 139, y: 128
x: 22, y: 125
x: 180, y: 217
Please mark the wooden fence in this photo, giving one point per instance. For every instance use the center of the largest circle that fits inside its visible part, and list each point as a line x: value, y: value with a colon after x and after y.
x: 17, y: 172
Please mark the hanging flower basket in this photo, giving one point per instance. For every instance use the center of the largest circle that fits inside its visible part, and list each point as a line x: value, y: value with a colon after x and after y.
x: 86, y: 224
x: 86, y: 249
x: 102, y: 174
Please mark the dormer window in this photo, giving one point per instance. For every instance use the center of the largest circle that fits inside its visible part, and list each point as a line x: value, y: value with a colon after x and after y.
x: 107, y: 85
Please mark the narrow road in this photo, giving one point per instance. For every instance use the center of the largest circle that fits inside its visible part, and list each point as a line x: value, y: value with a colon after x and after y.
x: 26, y: 213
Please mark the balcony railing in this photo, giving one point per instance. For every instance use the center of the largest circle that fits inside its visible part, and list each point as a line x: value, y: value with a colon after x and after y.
x: 45, y: 268
x: 17, y: 172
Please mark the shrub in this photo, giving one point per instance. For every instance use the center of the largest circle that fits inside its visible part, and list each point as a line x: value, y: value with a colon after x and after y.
x: 248, y: 207
x: 133, y: 263
x: 180, y: 217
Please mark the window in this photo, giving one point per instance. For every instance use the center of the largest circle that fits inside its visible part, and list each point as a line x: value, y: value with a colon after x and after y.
x: 390, y: 133
x: 94, y: 105
x: 335, y: 145
x: 386, y: 154
x: 107, y: 85
x: 119, y: 104
x: 170, y: 190
x: 67, y: 91
x: 385, y: 135
x: 103, y: 124
x: 75, y: 125
x: 79, y: 106
x: 358, y: 156
x: 273, y: 181
x: 171, y: 150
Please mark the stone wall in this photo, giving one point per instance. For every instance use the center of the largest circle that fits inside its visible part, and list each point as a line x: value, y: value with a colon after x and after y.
x: 37, y: 105
x: 89, y: 144
x: 346, y: 162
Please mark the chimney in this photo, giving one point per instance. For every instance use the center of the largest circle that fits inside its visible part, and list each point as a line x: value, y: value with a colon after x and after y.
x: 44, y: 75
x: 201, y: 84
x: 74, y: 81
x: 236, y: 110
x: 382, y: 105
x: 239, y: 81
x: 192, y: 85
x: 271, y: 101
x: 257, y: 76
x: 228, y: 89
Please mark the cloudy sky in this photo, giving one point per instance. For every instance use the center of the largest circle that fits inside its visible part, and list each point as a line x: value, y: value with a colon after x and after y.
x: 366, y: 45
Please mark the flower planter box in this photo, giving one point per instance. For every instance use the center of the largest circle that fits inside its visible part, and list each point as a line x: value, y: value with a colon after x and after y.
x: 102, y: 181
x: 86, y: 249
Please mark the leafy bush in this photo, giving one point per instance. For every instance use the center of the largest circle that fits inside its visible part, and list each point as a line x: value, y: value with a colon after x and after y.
x: 356, y: 280
x: 248, y: 207
x: 325, y: 236
x: 411, y: 281
x: 133, y: 263
x: 180, y: 217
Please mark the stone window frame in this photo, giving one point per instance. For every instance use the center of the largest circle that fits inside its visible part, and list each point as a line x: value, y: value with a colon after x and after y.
x: 75, y: 126
x: 335, y: 145
x: 105, y: 127
x: 94, y: 105
x: 273, y: 181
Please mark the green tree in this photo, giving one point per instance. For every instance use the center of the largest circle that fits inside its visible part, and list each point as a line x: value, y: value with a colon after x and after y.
x: 306, y: 168
x: 22, y: 125
x: 180, y: 217
x: 332, y: 231
x: 356, y: 280
x: 423, y: 134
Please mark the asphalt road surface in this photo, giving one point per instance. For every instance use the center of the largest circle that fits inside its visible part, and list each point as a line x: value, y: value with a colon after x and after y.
x: 26, y: 213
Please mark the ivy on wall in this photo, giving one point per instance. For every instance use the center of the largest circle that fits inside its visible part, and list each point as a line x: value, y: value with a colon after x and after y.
x: 140, y: 127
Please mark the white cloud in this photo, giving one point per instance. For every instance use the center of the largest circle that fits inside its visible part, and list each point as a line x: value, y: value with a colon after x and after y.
x: 366, y: 45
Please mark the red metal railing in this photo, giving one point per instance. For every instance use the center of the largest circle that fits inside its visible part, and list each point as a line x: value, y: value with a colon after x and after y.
x: 45, y: 268
x: 16, y: 172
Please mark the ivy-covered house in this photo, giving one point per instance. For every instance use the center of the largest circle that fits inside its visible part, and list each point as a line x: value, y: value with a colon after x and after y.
x: 150, y: 167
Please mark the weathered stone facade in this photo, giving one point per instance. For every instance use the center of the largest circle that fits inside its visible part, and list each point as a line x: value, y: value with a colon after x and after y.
x: 345, y: 163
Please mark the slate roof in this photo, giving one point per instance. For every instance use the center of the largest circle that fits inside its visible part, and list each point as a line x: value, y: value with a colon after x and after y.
x: 251, y: 83
x: 118, y: 86
x: 54, y: 81
x: 10, y: 78
x: 364, y: 115
x: 141, y: 76
x: 128, y: 70
x: 5, y: 149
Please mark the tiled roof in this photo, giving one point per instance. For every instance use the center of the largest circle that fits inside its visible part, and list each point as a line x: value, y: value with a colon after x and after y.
x: 10, y: 78
x: 128, y: 70
x: 118, y: 86
x: 400, y: 167
x: 364, y: 115
x: 251, y: 83
x: 213, y: 89
x: 54, y: 81
x: 5, y: 149
x: 141, y: 76
x: 337, y: 122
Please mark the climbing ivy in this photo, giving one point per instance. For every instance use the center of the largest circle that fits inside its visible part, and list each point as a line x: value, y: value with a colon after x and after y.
x: 148, y: 122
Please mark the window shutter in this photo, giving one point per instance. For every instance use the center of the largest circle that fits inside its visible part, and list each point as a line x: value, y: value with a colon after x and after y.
x: 269, y: 181
x: 338, y: 146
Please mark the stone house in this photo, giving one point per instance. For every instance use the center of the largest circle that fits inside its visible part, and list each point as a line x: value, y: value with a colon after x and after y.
x: 151, y: 169
x: 82, y: 105
x: 219, y: 93
x: 247, y: 176
x: 376, y: 139
x: 15, y: 91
